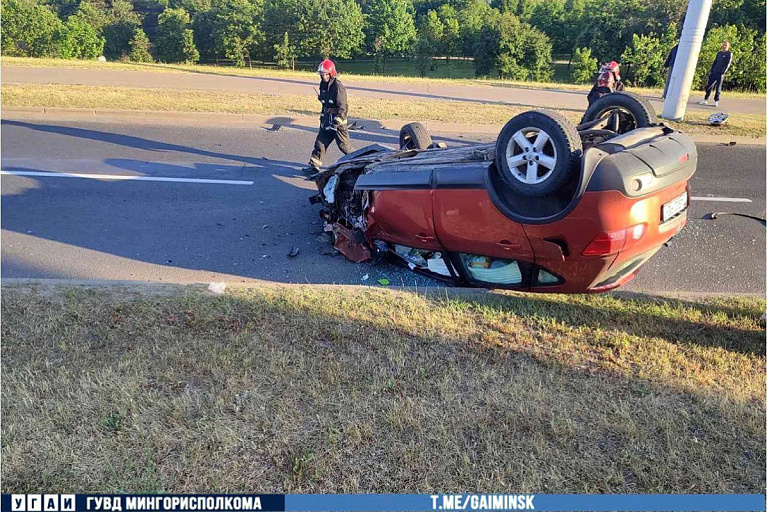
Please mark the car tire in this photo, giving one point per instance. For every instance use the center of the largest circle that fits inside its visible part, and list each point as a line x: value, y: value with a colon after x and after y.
x: 633, y: 110
x: 414, y: 136
x: 537, y: 153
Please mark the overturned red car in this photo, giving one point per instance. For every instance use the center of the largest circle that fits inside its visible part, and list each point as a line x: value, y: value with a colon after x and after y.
x: 550, y: 207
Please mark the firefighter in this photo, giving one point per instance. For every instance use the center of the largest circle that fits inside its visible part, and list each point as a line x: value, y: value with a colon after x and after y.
x: 609, y: 80
x: 333, y: 123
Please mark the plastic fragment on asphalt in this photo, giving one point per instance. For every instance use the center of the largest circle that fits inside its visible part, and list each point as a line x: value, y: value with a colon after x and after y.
x: 217, y: 287
x: 293, y: 252
x: 365, y: 277
x: 383, y: 281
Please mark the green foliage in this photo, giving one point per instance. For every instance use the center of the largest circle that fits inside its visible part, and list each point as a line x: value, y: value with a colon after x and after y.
x: 645, y: 58
x: 390, y: 29
x: 191, y: 6
x: 451, y: 34
x: 175, y: 42
x: 746, y: 13
x: 29, y: 30
x: 140, y: 47
x: 233, y: 30
x: 747, y: 70
x: 583, y: 66
x: 550, y: 17
x: 513, y: 50
x: 122, y: 22
x: 189, y: 53
x: 285, y: 53
x: 423, y: 55
x: 317, y: 28
x: 432, y: 30
x: 510, y: 38
x: 473, y: 18
x: 94, y: 13
x: 79, y: 40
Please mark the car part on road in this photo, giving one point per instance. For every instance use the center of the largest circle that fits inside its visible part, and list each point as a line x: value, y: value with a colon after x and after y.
x: 715, y: 215
x: 718, y: 119
x: 537, y: 152
x: 414, y: 136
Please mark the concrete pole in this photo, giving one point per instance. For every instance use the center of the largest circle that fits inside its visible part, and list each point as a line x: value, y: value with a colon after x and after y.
x: 686, y: 59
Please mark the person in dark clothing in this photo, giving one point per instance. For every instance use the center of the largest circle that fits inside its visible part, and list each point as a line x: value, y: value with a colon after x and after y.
x: 670, y: 65
x: 720, y: 66
x: 609, y: 80
x: 333, y: 123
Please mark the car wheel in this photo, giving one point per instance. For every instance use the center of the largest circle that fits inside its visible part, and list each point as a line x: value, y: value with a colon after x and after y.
x: 621, y: 112
x: 414, y: 136
x: 537, y: 153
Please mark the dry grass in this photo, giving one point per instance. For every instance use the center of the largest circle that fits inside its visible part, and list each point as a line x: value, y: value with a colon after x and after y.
x: 370, y: 390
x: 162, y: 100
x: 276, y: 73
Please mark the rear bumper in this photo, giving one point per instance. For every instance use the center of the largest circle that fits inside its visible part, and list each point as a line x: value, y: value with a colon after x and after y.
x: 603, y: 212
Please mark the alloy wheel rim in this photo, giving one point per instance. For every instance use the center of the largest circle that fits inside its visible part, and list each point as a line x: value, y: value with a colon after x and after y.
x: 531, y: 155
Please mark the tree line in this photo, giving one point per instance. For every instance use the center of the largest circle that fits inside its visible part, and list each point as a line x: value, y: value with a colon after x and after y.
x: 512, y: 39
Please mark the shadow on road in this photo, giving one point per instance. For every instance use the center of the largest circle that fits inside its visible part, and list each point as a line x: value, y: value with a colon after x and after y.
x: 142, y: 143
x: 408, y: 94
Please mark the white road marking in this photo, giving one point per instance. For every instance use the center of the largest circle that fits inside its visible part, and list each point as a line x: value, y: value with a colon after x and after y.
x: 722, y: 199
x: 122, y: 177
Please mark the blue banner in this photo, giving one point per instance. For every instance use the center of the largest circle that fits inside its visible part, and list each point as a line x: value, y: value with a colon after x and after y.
x: 380, y: 502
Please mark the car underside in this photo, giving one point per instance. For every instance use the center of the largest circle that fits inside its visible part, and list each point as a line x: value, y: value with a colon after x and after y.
x: 549, y: 207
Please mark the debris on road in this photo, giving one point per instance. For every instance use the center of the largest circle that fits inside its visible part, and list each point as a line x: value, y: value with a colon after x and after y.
x: 384, y: 282
x: 217, y: 287
x: 365, y: 277
x: 265, y: 226
x: 293, y: 252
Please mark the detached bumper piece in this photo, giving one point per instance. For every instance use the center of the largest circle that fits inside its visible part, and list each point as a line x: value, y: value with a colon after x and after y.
x: 350, y: 244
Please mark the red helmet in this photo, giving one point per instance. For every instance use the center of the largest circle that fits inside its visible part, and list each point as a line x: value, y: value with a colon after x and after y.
x: 613, y: 67
x: 327, y: 66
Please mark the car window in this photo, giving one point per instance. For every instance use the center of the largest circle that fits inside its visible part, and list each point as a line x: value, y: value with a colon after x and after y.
x: 492, y: 270
x: 545, y: 277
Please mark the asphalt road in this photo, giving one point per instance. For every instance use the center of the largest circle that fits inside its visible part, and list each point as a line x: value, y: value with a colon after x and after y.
x: 199, y: 231
x: 210, y: 81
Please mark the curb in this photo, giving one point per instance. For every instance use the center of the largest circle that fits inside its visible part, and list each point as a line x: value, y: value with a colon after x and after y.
x: 154, y: 286
x: 302, y: 121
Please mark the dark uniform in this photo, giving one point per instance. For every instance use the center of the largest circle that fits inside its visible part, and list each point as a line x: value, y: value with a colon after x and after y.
x: 607, y: 82
x: 716, y: 75
x: 333, y: 123
x: 670, y: 65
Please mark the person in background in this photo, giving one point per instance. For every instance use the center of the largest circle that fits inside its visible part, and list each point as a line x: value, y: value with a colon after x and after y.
x: 609, y: 80
x: 720, y: 66
x: 333, y: 123
x: 670, y: 65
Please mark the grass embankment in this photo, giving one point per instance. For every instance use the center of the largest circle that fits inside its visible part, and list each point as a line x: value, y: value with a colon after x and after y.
x: 370, y: 390
x: 127, y: 98
x: 360, y: 71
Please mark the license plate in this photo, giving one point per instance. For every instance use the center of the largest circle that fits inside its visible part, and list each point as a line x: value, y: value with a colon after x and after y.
x: 674, y: 207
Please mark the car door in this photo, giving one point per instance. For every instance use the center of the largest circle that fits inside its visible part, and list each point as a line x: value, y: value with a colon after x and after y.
x: 490, y: 248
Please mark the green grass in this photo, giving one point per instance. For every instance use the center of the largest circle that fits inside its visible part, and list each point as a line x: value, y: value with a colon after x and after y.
x: 323, y: 389
x: 166, y: 100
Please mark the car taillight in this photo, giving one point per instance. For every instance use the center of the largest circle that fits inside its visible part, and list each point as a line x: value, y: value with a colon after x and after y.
x: 611, y: 242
